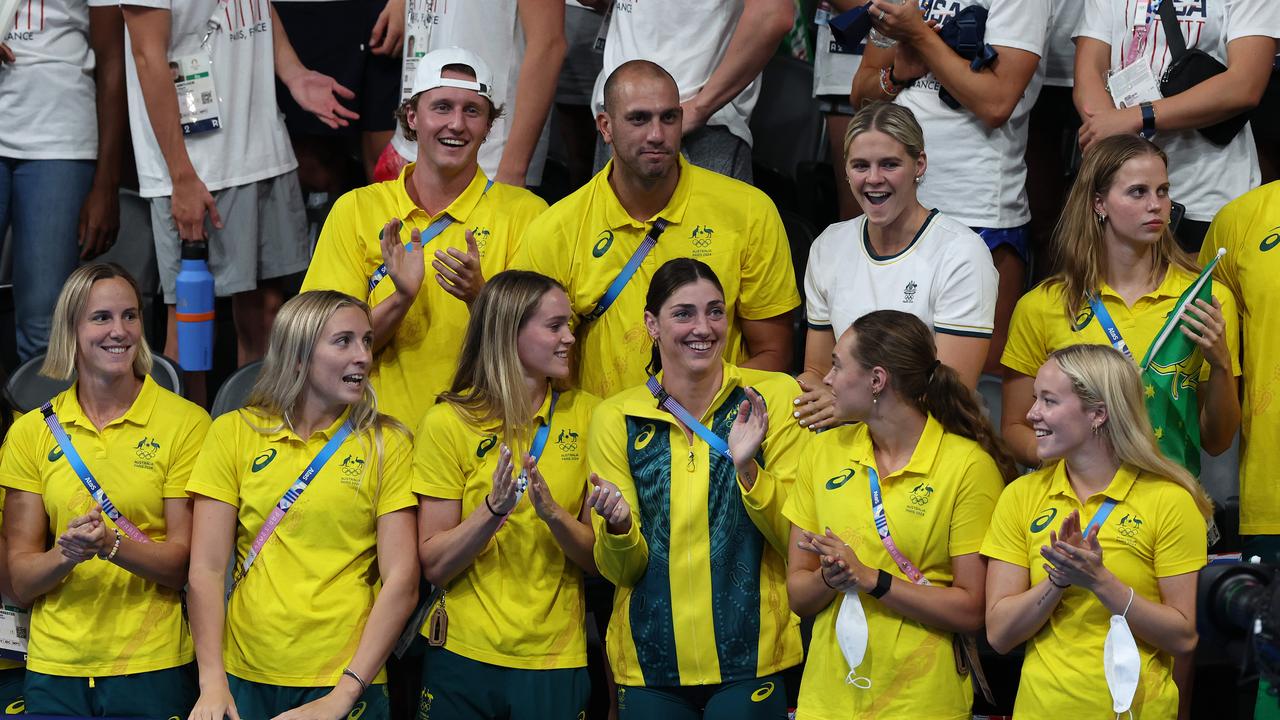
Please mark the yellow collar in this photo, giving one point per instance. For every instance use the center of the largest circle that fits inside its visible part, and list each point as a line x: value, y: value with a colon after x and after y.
x: 139, y: 413
x: 616, y: 216
x: 461, y: 207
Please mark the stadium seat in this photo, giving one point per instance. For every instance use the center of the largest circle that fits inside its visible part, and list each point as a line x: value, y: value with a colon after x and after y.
x: 27, y: 389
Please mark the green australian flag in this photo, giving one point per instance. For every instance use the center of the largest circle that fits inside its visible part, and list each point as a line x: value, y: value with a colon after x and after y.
x: 1170, y: 373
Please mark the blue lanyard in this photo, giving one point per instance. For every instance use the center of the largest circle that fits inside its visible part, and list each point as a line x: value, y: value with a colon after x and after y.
x: 1109, y: 326
x: 909, y: 568
x: 1100, y: 516
x: 433, y: 230
x: 289, y: 498
x: 540, y: 437
x: 90, y: 483
x: 673, y: 406
x: 628, y: 270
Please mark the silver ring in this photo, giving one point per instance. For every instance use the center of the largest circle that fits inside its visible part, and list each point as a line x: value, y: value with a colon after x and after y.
x: 882, y: 16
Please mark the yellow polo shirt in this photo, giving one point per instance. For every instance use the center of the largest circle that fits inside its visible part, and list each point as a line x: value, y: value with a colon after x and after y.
x: 1154, y: 531
x: 296, y: 618
x: 103, y: 620
x: 520, y: 604
x: 585, y: 240
x: 419, y: 361
x: 1040, y: 324
x: 5, y: 663
x: 1249, y: 228
x: 701, y: 577
x: 938, y: 507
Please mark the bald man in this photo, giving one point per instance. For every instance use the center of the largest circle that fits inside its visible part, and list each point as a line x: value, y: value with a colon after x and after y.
x: 648, y: 189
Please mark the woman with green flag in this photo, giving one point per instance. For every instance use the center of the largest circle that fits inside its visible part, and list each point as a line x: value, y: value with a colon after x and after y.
x: 1122, y: 280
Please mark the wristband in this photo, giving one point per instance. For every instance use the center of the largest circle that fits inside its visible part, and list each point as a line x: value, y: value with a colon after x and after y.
x: 495, y: 512
x: 115, y: 548
x: 886, y: 83
x: 900, y: 84
x: 348, y: 672
x: 1060, y: 587
x: 823, y: 573
x: 883, y: 582
x: 1148, y: 120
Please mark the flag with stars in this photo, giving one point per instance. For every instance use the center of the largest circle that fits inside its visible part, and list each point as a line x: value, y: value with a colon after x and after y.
x: 1170, y: 374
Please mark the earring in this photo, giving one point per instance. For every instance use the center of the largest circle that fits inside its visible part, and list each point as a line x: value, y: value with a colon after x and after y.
x: 1102, y: 218
x: 1097, y: 430
x: 919, y: 178
x: 875, y: 397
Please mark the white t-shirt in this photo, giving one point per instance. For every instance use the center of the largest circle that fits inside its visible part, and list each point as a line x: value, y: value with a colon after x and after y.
x: 490, y: 29
x: 688, y: 38
x: 252, y: 144
x: 47, y: 109
x: 1202, y: 176
x: 833, y: 71
x: 1060, y: 51
x: 977, y: 175
x: 944, y: 277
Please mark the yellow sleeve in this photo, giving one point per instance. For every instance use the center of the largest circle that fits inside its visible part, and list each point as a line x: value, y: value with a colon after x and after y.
x: 437, y: 470
x: 183, y: 460
x: 1181, y: 543
x: 543, y: 249
x: 525, y: 215
x: 338, y: 262
x: 1006, y: 539
x: 1222, y: 233
x: 784, y: 445
x: 395, y: 489
x: 1231, y: 319
x: 768, y: 286
x: 800, y: 508
x: 621, y: 559
x: 980, y: 488
x: 1027, y: 347
x: 20, y: 466
x: 216, y: 472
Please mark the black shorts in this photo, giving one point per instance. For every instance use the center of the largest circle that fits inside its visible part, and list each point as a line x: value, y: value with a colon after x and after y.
x: 333, y: 38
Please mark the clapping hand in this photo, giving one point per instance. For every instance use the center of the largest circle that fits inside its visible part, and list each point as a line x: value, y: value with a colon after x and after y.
x: 746, y: 436
x: 607, y: 501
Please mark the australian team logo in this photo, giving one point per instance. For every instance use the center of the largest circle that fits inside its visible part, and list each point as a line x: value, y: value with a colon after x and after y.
x: 603, y: 243
x: 1129, y: 527
x: 1042, y: 520
x: 567, y: 440
x: 352, y: 466
x: 837, y: 481
x: 481, y: 234
x: 147, y: 448
x: 919, y: 498
x: 486, y: 445
x: 909, y: 292
x: 700, y: 238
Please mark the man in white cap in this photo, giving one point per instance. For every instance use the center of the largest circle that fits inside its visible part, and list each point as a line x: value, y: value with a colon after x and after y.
x: 442, y: 206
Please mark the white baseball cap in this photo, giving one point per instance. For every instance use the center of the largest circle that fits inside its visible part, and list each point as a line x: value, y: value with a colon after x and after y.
x: 429, y: 74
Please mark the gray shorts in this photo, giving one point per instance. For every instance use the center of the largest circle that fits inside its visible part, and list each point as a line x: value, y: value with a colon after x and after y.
x: 582, y: 62
x: 263, y: 236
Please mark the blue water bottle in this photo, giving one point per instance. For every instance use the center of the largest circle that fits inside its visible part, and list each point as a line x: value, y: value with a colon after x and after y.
x: 195, y: 308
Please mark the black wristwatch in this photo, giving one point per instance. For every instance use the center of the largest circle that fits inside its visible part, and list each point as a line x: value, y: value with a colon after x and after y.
x: 904, y: 84
x: 1148, y: 120
x: 883, y: 581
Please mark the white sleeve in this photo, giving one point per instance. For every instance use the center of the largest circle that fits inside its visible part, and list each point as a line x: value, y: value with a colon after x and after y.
x: 967, y: 285
x: 1095, y: 21
x: 1020, y: 24
x: 1252, y: 17
x: 817, y: 310
x: 158, y: 4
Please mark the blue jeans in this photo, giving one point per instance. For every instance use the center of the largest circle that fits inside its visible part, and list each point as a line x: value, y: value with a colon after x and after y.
x: 41, y: 200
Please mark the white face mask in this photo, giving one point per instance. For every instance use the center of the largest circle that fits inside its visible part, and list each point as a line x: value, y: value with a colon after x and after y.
x: 851, y: 635
x: 1121, y: 662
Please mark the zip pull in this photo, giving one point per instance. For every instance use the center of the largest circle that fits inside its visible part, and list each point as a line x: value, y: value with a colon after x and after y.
x: 691, y: 465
